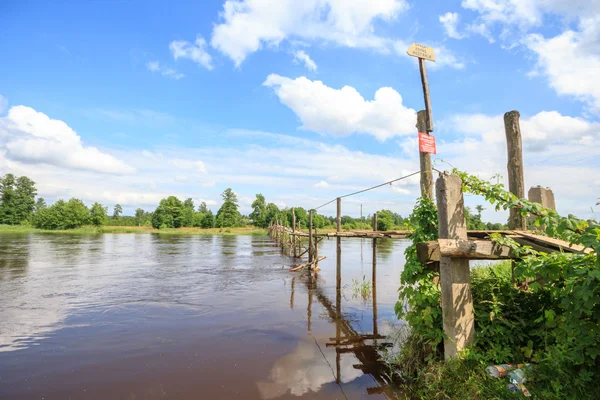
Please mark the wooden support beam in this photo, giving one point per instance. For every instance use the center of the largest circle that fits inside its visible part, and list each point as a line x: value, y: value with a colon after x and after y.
x: 429, y: 252
x: 516, y: 180
x: 375, y: 222
x: 425, y: 160
x: 457, y: 300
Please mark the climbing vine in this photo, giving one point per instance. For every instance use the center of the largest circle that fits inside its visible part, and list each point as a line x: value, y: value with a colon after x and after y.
x: 548, y: 313
x: 419, y: 300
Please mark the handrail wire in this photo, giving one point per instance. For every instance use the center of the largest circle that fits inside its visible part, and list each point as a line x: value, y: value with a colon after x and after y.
x: 366, y: 190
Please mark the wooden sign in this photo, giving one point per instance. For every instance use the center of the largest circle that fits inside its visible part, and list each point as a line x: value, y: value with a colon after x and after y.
x: 427, y: 143
x: 420, y: 51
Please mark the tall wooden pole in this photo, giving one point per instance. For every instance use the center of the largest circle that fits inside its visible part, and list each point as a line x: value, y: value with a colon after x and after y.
x: 516, y: 180
x: 294, y: 232
x: 425, y: 83
x: 374, y: 294
x: 425, y: 160
x: 339, y: 214
x: 310, y: 236
x: 361, y: 218
x: 375, y: 222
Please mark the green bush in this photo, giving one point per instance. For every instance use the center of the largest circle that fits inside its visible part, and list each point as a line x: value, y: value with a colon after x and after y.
x: 62, y: 215
x: 553, y: 321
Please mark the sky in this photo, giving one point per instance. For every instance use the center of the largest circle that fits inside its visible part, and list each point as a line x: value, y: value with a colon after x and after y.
x: 300, y: 100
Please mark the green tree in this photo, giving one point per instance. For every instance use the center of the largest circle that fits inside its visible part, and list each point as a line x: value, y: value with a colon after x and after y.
x: 259, y: 212
x: 139, y: 216
x: 98, y: 214
x: 385, y: 220
x: 39, y: 204
x: 118, y: 210
x: 62, y: 215
x: 168, y: 214
x: 17, y: 199
x: 188, y: 213
x: 272, y: 213
x: 208, y: 220
x: 189, y: 203
x: 228, y: 215
x: 25, y: 193
x: 202, y: 208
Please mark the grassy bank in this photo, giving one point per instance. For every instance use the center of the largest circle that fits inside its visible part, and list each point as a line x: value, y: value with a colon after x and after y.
x: 247, y: 231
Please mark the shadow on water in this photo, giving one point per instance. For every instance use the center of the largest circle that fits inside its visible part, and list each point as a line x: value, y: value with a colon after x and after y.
x: 187, y: 317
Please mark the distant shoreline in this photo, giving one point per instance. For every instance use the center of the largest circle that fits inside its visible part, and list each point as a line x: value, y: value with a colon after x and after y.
x: 245, y: 231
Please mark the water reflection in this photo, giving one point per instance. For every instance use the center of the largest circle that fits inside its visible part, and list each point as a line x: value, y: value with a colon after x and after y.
x: 185, y: 314
x: 306, y: 369
x: 322, y: 359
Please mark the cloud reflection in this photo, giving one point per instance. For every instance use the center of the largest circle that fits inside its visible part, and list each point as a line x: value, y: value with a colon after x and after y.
x: 306, y: 369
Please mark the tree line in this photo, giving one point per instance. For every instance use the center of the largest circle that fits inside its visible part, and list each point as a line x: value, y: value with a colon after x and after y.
x: 19, y: 204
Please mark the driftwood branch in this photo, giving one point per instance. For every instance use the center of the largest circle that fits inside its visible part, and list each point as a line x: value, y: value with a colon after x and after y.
x: 302, y: 266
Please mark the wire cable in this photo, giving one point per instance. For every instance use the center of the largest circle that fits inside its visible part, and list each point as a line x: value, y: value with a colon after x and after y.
x: 366, y: 190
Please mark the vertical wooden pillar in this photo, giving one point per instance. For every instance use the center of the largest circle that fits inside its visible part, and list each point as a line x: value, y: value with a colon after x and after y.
x: 426, y: 95
x: 338, y: 302
x: 339, y: 214
x: 374, y: 294
x: 375, y: 222
x: 457, y: 300
x: 310, y: 236
x: 425, y: 160
x: 299, y: 241
x: 516, y: 180
x: 294, y: 232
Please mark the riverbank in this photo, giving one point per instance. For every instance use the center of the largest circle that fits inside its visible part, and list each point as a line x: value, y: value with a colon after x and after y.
x: 245, y: 231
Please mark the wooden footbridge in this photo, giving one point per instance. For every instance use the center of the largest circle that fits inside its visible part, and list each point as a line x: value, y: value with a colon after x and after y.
x: 450, y: 254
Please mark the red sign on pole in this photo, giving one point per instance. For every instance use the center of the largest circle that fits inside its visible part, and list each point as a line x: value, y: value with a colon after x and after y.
x: 426, y: 143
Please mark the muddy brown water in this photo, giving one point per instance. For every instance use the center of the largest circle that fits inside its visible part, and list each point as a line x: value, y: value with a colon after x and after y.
x: 143, y: 316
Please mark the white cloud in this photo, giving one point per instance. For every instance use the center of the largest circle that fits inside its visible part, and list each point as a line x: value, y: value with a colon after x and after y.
x: 529, y: 13
x: 322, y: 184
x: 193, y: 51
x: 166, y: 72
x: 565, y: 164
x: 248, y: 25
x: 450, y: 23
x: 344, y: 111
x: 571, y: 61
x: 300, y: 56
x: 196, y: 165
x: 31, y: 137
x: 3, y: 104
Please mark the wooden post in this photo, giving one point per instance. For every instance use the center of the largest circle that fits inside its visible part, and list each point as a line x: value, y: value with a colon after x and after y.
x: 516, y: 181
x: 375, y: 222
x: 310, y: 236
x: 425, y: 83
x: 299, y: 241
x: 294, y: 232
x: 374, y: 293
x: 457, y: 300
x: 339, y: 214
x: 425, y: 159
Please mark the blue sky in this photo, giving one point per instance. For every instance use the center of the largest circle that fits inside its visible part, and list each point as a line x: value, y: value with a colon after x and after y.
x: 131, y: 101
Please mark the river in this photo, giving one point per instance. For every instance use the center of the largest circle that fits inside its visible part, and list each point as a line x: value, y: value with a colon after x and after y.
x: 146, y: 316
